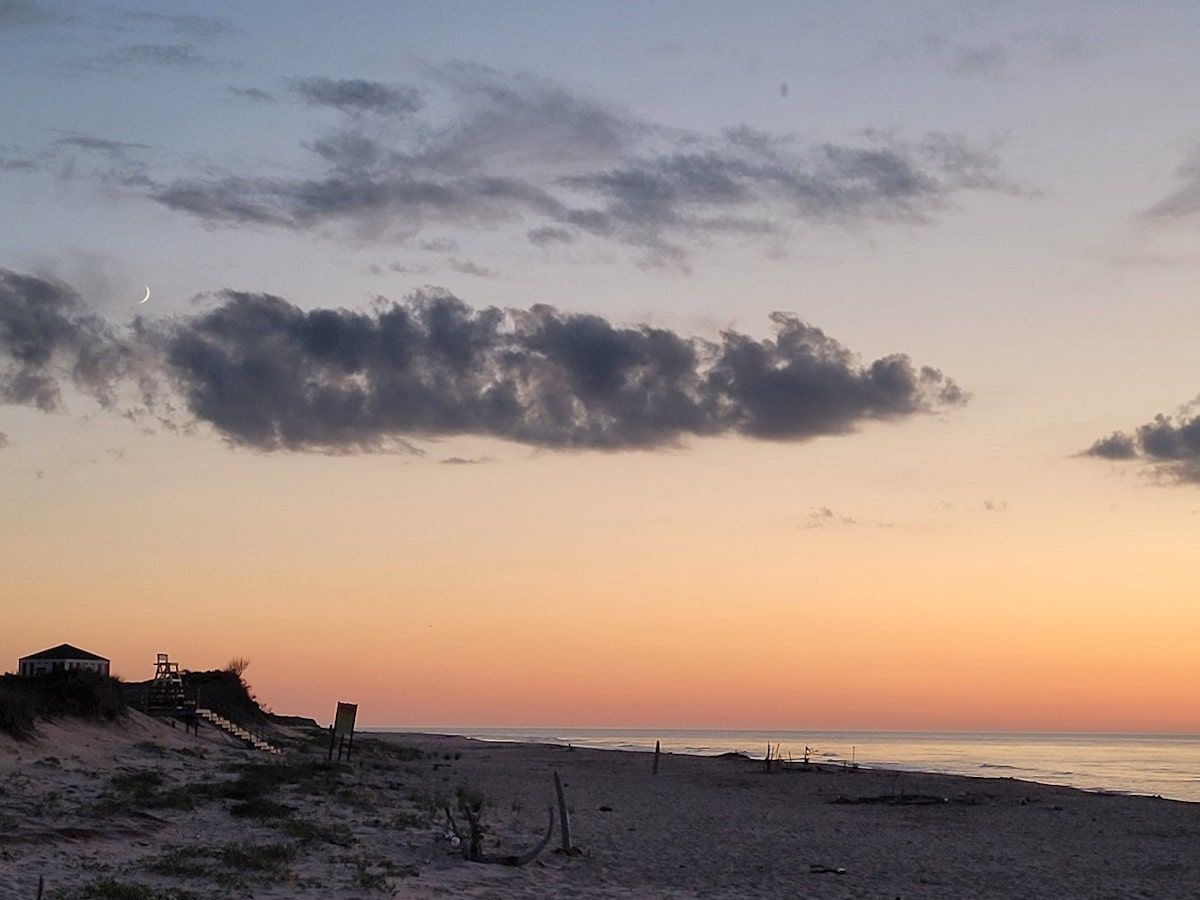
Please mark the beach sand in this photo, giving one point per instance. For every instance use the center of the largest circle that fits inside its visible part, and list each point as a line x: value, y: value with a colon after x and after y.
x: 139, y: 804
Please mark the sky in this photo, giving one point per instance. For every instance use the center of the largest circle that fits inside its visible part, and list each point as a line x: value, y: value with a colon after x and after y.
x: 631, y: 365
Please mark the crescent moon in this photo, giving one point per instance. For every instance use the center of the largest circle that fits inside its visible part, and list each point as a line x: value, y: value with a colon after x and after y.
x: 147, y: 297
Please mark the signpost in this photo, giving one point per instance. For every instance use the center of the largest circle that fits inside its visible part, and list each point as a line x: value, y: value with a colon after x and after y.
x: 341, y: 732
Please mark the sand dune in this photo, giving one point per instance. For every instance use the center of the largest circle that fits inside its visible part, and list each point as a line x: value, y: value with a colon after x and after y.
x: 141, y: 804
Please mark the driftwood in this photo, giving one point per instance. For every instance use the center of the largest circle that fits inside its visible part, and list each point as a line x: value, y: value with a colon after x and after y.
x: 774, y: 755
x: 893, y: 800
x: 472, y: 843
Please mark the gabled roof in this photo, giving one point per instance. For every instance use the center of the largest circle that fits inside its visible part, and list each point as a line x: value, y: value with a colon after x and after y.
x: 64, y: 651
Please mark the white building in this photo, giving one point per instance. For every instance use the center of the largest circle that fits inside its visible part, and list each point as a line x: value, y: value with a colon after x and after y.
x: 62, y: 658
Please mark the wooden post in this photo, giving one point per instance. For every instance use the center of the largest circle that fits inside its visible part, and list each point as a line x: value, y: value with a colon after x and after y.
x: 41, y: 886
x: 657, y: 748
x: 563, y: 818
x: 332, y: 741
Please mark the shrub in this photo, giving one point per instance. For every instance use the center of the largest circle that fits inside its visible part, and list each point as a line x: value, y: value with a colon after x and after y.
x: 77, y: 693
x: 17, y: 713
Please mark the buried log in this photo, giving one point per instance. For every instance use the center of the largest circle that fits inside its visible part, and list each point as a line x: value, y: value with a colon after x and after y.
x: 472, y: 843
x: 563, y: 818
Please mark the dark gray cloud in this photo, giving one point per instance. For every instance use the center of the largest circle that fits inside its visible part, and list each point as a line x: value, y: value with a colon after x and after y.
x: 160, y: 55
x: 266, y: 374
x: 520, y: 153
x: 1169, y: 445
x: 48, y: 338
x: 356, y: 95
x: 3, y: 440
x: 1117, y: 445
x: 1184, y: 201
x: 462, y: 460
x: 269, y: 375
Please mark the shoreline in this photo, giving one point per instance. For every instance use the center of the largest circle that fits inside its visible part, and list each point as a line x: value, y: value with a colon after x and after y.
x: 1182, y: 788
x: 157, y: 811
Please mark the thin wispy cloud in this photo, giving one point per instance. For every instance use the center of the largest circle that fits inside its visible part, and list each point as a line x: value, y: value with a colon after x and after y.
x: 252, y: 93
x: 190, y: 26
x: 1183, y: 202
x: 174, y: 56
x: 356, y: 95
x: 523, y: 155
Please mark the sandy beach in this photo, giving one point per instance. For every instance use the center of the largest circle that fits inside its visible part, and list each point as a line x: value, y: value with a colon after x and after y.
x: 139, y: 809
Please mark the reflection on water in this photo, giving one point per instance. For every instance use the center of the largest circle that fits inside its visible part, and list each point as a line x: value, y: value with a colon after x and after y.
x: 1167, y: 765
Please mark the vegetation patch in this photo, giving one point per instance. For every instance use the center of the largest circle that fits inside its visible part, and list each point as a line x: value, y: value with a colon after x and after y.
x: 110, y: 889
x: 77, y: 693
x: 270, y: 859
x: 315, y: 833
x: 181, y: 862
x: 260, y: 808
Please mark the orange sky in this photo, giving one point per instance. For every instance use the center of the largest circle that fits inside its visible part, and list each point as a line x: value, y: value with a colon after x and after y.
x: 685, y: 589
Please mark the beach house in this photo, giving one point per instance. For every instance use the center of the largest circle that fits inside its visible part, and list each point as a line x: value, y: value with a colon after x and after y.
x: 62, y: 658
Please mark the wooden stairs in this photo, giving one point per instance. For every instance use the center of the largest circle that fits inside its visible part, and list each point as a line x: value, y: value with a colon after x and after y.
x: 245, y: 735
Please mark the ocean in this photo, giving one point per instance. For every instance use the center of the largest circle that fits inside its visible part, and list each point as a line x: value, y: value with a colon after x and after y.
x: 1167, y: 765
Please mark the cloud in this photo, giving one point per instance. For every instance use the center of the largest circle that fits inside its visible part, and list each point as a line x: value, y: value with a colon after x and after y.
x: 402, y: 268
x: 464, y: 461
x: 269, y: 375
x: 1116, y: 446
x: 355, y: 95
x: 988, y: 59
x: 159, y: 55
x: 514, y: 152
x: 11, y: 164
x: 252, y: 93
x: 3, y: 440
x: 48, y: 338
x: 995, y: 505
x: 549, y: 234
x: 824, y: 517
x: 820, y: 517
x: 1184, y: 201
x: 115, y: 149
x: 192, y: 26
x: 21, y: 13
x: 466, y: 267
x: 1169, y: 445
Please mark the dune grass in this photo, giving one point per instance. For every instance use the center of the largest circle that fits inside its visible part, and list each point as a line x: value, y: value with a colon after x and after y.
x: 76, y: 693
